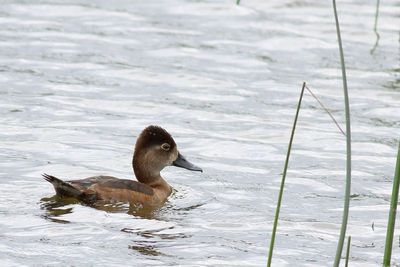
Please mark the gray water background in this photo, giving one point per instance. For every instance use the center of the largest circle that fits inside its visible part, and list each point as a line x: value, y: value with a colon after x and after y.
x: 79, y: 80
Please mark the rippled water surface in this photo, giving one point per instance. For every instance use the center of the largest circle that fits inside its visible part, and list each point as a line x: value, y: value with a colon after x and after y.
x: 79, y: 80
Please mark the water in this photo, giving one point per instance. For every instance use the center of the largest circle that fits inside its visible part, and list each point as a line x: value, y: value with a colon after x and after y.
x: 79, y: 81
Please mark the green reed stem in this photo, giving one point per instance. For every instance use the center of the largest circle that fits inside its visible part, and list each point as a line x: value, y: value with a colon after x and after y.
x: 376, y: 28
x: 237, y: 2
x: 392, y: 213
x: 348, y: 146
x: 348, y: 251
x: 278, y: 205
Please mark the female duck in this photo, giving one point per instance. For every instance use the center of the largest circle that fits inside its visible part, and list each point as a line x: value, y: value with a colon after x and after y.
x: 154, y: 150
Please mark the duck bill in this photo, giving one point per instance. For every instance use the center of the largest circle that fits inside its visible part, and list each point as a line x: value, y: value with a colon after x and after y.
x: 183, y: 163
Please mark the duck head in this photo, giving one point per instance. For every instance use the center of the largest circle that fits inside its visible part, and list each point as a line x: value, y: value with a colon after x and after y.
x: 154, y: 150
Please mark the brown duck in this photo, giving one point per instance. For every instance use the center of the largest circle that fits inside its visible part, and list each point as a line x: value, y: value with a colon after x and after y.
x: 154, y: 150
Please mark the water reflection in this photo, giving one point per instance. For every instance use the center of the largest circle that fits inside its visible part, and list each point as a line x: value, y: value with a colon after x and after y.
x: 146, y: 248
x: 53, y: 206
x: 146, y: 241
x: 153, y: 239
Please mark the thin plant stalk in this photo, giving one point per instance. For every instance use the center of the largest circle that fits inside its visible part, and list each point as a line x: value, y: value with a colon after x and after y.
x: 348, y: 146
x: 348, y: 251
x: 326, y: 110
x: 278, y: 205
x: 392, y: 213
x: 376, y: 27
x: 237, y: 2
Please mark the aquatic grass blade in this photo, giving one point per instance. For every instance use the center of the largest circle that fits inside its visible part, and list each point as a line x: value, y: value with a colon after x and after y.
x: 348, y: 145
x: 348, y: 251
x: 392, y: 213
x: 326, y: 109
x: 376, y: 28
x: 278, y: 205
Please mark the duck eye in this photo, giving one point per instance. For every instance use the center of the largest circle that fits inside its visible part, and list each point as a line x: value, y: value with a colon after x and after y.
x: 165, y: 146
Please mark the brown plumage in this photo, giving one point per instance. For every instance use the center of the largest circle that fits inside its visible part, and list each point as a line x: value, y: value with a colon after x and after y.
x: 155, y: 149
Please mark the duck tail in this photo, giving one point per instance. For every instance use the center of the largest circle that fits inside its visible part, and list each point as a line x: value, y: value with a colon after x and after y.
x: 63, y: 188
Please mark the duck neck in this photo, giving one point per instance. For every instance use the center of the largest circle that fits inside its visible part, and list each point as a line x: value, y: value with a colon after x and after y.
x: 145, y: 175
x: 160, y: 187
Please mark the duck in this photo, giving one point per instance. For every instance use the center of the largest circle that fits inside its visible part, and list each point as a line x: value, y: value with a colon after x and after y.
x: 154, y: 150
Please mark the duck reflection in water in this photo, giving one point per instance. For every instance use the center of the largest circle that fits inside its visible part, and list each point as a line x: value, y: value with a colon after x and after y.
x: 155, y: 149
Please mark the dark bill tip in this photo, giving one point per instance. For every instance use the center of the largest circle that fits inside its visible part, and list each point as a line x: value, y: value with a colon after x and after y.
x: 183, y: 163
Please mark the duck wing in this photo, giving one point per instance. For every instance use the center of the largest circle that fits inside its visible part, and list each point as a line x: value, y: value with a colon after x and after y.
x: 111, y: 183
